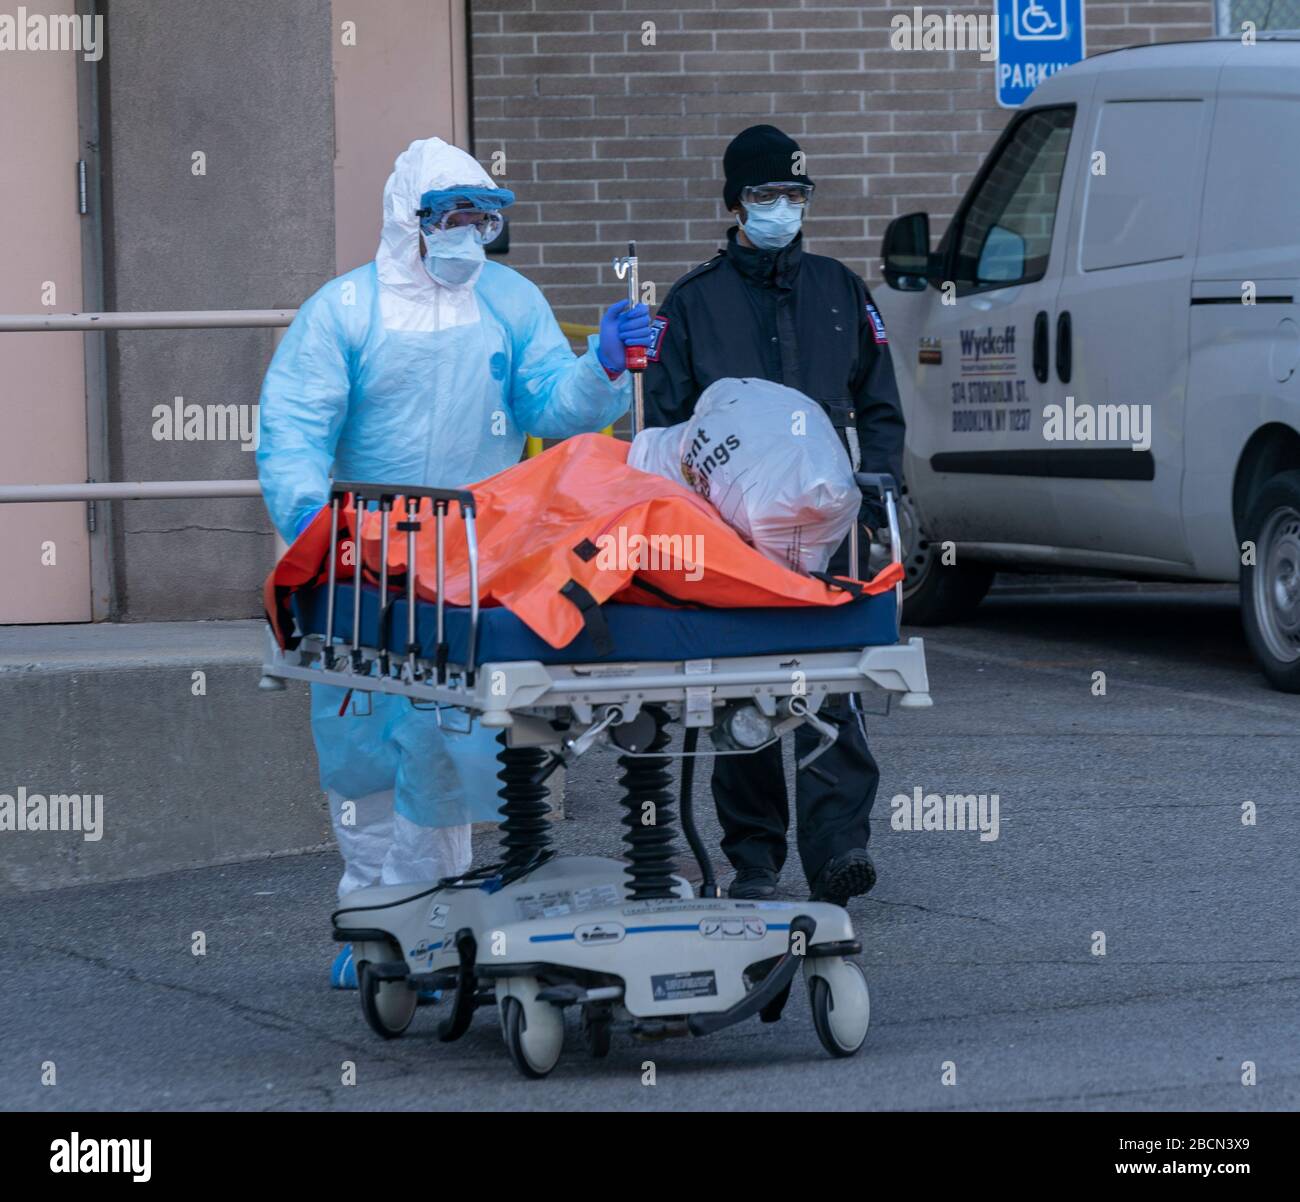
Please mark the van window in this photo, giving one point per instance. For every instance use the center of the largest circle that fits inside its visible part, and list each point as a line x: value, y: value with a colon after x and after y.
x: 1006, y: 230
x: 1243, y: 213
x: 1140, y: 209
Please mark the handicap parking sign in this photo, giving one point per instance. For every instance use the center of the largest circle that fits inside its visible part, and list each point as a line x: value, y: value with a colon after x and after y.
x: 1036, y: 38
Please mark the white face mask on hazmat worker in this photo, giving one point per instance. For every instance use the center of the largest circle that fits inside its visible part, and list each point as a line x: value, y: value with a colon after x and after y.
x: 455, y: 228
x: 453, y: 257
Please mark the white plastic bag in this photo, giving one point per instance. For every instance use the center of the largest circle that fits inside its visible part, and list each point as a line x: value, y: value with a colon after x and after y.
x: 658, y: 451
x: 769, y: 460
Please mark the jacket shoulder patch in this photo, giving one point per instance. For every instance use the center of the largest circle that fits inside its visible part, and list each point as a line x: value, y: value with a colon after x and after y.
x: 658, y: 327
x: 877, y: 325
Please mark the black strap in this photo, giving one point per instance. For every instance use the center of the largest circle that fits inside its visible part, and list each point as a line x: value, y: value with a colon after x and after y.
x: 844, y: 583
x: 282, y: 620
x: 664, y: 595
x: 592, y: 617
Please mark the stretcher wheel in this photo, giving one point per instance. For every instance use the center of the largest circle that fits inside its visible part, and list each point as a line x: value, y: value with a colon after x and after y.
x: 841, y: 1003
x: 596, y: 1032
x: 388, y: 1006
x: 533, y: 1030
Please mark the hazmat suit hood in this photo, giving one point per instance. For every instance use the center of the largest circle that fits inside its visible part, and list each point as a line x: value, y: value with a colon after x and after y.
x: 429, y: 163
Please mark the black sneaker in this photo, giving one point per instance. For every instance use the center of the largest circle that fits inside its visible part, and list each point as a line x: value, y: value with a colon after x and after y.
x: 846, y: 876
x: 753, y: 884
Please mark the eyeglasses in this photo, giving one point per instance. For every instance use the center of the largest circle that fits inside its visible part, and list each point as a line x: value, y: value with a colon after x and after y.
x: 762, y: 195
x: 487, y: 223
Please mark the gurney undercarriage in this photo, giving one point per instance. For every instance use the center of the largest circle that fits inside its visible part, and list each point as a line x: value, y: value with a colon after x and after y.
x: 627, y: 942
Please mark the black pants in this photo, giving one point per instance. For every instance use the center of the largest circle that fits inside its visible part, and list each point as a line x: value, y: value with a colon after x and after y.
x: 750, y: 793
x: 755, y: 812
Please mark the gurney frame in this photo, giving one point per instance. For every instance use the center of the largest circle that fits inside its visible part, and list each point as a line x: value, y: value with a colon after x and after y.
x: 628, y: 942
x: 523, y: 697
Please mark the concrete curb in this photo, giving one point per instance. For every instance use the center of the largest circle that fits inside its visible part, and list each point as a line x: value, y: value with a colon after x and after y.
x: 163, y: 722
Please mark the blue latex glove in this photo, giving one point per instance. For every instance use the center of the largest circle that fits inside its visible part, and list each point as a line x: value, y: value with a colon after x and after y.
x: 307, y: 521
x: 620, y: 327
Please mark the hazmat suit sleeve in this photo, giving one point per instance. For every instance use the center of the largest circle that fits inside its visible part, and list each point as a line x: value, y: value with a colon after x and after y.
x: 552, y: 393
x: 304, y: 403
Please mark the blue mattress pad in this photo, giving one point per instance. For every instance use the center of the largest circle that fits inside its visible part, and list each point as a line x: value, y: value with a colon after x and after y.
x: 638, y: 632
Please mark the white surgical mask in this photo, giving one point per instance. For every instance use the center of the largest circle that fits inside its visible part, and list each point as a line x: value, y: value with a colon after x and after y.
x: 453, y: 257
x: 772, y: 226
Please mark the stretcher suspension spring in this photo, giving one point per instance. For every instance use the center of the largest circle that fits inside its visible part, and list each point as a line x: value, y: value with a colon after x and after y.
x: 525, y: 825
x: 651, y: 850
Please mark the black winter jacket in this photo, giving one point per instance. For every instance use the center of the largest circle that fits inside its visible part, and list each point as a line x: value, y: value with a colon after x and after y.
x: 797, y: 319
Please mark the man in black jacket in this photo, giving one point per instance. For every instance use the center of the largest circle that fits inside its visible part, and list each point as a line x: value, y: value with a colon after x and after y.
x: 765, y: 308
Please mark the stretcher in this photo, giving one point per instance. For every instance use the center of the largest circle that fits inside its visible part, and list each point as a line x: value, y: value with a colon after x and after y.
x: 629, y: 943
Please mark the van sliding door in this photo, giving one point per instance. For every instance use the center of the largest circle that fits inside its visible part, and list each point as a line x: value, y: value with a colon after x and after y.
x: 1124, y: 301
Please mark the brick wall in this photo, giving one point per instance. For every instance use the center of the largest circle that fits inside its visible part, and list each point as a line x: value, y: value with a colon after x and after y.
x: 606, y: 138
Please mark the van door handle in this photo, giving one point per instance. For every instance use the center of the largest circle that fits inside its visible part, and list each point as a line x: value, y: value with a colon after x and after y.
x: 1064, y: 357
x: 1040, y: 347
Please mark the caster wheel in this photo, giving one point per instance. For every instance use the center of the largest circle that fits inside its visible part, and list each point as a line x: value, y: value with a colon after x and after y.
x: 841, y: 1006
x: 532, y: 1047
x: 596, y: 1033
x: 388, y: 1006
x: 533, y: 1030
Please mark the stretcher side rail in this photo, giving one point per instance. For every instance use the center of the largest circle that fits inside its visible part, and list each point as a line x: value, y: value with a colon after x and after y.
x: 385, y: 496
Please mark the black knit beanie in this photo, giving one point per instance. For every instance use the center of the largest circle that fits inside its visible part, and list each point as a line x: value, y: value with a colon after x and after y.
x: 761, y: 154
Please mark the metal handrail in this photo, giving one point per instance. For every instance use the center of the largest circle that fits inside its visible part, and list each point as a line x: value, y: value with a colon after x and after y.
x: 179, y: 319
x: 145, y: 490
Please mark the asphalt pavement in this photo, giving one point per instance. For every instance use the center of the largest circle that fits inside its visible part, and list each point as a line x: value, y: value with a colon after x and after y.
x: 1120, y: 815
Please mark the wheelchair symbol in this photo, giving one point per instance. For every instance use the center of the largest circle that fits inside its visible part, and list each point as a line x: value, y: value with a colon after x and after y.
x: 1035, y: 23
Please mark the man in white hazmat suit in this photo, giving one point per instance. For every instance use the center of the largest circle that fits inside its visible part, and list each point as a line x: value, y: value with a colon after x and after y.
x: 426, y: 367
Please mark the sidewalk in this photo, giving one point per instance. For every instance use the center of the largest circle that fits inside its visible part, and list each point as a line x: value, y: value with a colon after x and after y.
x: 164, y: 721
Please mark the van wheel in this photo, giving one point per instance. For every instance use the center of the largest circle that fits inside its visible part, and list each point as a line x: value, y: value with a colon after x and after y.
x: 1270, y: 588
x: 935, y: 593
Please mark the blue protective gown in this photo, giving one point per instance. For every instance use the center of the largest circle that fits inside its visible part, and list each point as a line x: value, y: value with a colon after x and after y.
x: 386, y: 376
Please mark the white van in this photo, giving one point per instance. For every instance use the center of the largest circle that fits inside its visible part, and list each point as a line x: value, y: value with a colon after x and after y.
x: 1099, y: 364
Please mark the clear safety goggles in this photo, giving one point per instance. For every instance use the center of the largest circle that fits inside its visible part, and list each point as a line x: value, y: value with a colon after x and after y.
x: 759, y: 196
x: 487, y: 223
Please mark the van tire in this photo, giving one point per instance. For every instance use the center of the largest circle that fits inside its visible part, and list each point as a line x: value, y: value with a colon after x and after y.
x: 946, y: 593
x: 934, y: 594
x: 1270, y: 588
